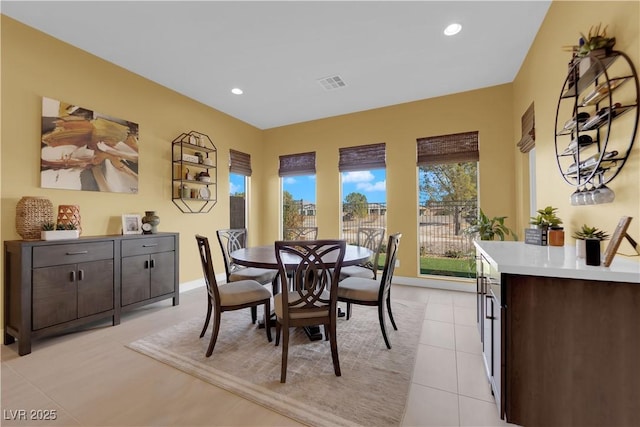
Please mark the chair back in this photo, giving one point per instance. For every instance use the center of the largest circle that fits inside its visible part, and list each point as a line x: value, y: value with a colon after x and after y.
x: 231, y: 239
x: 314, y: 279
x: 389, y: 265
x: 371, y: 238
x: 301, y: 233
x: 207, y: 269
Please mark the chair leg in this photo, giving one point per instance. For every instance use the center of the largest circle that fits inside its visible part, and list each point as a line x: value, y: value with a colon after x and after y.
x: 285, y: 353
x: 326, y: 333
x: 278, y: 328
x: 334, y: 348
x: 214, y: 333
x: 267, y: 315
x: 254, y: 314
x: 393, y: 322
x: 382, y: 326
x: 348, y: 310
x: 206, y: 322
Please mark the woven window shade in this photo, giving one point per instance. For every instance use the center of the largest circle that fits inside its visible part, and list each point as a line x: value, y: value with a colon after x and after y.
x: 528, y: 140
x: 298, y: 164
x: 454, y: 148
x: 362, y: 157
x: 239, y: 163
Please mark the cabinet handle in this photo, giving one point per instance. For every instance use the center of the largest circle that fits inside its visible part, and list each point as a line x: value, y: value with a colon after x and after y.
x: 486, y: 316
x: 80, y: 274
x: 72, y: 276
x: 150, y: 245
x: 77, y: 253
x: 146, y: 264
x: 153, y: 263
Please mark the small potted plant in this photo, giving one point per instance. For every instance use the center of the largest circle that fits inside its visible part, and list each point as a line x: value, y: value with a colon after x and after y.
x: 596, y: 43
x: 546, y: 228
x: 489, y: 228
x: 51, y: 231
x: 585, y: 233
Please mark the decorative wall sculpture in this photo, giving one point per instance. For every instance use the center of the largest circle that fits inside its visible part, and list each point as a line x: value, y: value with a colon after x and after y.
x: 85, y: 150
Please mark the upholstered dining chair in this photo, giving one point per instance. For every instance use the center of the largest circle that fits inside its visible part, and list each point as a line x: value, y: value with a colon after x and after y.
x: 370, y: 238
x: 240, y: 294
x: 364, y: 291
x: 309, y: 296
x: 233, y: 239
x: 301, y: 233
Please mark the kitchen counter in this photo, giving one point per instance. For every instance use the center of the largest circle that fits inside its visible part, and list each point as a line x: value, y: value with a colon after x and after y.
x: 559, y: 338
x: 556, y: 261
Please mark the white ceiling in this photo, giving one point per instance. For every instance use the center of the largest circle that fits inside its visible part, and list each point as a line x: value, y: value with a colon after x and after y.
x: 386, y: 52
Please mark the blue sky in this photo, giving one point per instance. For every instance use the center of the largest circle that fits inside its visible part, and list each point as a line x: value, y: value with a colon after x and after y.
x: 370, y: 183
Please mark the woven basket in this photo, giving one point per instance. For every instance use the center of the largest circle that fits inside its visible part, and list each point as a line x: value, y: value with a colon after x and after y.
x: 69, y: 214
x: 31, y: 213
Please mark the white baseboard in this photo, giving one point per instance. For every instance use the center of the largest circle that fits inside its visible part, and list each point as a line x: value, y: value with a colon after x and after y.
x: 199, y: 283
x: 422, y: 282
x: 436, y: 283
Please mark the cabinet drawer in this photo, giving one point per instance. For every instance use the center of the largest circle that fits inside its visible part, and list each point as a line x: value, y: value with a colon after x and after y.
x: 71, y: 253
x: 149, y: 245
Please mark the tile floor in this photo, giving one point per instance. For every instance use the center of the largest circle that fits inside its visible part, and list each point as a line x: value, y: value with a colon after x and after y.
x: 90, y: 379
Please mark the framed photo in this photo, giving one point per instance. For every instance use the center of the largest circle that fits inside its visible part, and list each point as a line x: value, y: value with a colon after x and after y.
x: 616, y: 238
x: 131, y: 224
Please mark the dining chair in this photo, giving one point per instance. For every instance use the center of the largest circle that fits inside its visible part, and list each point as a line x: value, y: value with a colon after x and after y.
x: 365, y: 291
x: 228, y: 297
x: 236, y: 238
x: 309, y: 297
x: 300, y: 233
x: 370, y: 238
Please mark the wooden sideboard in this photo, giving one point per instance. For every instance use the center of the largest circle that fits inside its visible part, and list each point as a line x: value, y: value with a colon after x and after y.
x: 51, y: 286
x: 560, y: 338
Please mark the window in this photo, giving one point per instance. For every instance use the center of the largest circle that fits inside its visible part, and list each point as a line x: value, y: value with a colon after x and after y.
x: 448, y: 198
x: 239, y: 173
x: 364, y: 194
x: 298, y: 176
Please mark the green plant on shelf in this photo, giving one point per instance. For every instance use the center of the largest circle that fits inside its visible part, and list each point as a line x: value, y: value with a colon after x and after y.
x: 587, y: 232
x: 67, y: 226
x: 596, y: 39
x: 546, y: 218
x: 48, y: 226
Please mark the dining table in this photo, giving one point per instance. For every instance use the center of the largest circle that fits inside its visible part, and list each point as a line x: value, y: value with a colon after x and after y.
x: 265, y: 257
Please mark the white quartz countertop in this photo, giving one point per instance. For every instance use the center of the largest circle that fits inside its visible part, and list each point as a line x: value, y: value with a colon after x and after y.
x: 556, y: 261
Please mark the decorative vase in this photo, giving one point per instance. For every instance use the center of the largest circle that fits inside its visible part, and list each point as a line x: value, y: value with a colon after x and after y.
x: 31, y: 213
x: 592, y: 251
x: 151, y: 218
x: 581, y: 248
x: 69, y: 214
x: 556, y: 236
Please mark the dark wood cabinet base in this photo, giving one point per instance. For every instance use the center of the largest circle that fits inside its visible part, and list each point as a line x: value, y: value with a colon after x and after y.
x: 53, y: 286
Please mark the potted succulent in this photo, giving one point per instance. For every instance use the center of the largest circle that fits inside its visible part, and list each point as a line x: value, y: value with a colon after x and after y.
x: 51, y: 231
x: 546, y: 228
x: 588, y: 233
x: 489, y: 228
x: 596, y: 43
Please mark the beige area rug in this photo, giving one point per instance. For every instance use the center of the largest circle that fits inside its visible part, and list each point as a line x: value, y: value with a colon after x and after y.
x: 372, y: 390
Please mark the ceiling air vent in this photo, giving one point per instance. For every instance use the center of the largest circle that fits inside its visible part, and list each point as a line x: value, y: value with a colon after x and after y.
x: 331, y: 83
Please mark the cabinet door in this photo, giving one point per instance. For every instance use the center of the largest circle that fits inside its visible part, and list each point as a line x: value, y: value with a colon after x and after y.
x: 162, y: 273
x: 135, y: 279
x: 95, y: 287
x: 54, y: 296
x: 487, y: 343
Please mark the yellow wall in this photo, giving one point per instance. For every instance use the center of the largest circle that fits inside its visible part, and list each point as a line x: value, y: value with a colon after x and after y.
x: 540, y: 80
x: 488, y: 111
x: 36, y: 65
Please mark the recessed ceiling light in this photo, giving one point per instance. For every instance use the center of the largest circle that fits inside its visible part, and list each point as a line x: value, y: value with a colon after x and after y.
x: 237, y: 91
x: 452, y: 29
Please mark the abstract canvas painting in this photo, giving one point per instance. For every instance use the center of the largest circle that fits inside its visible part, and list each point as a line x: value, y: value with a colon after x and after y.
x: 85, y: 150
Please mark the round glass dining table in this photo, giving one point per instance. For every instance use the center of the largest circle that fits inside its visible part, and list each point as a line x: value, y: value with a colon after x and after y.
x: 265, y: 257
